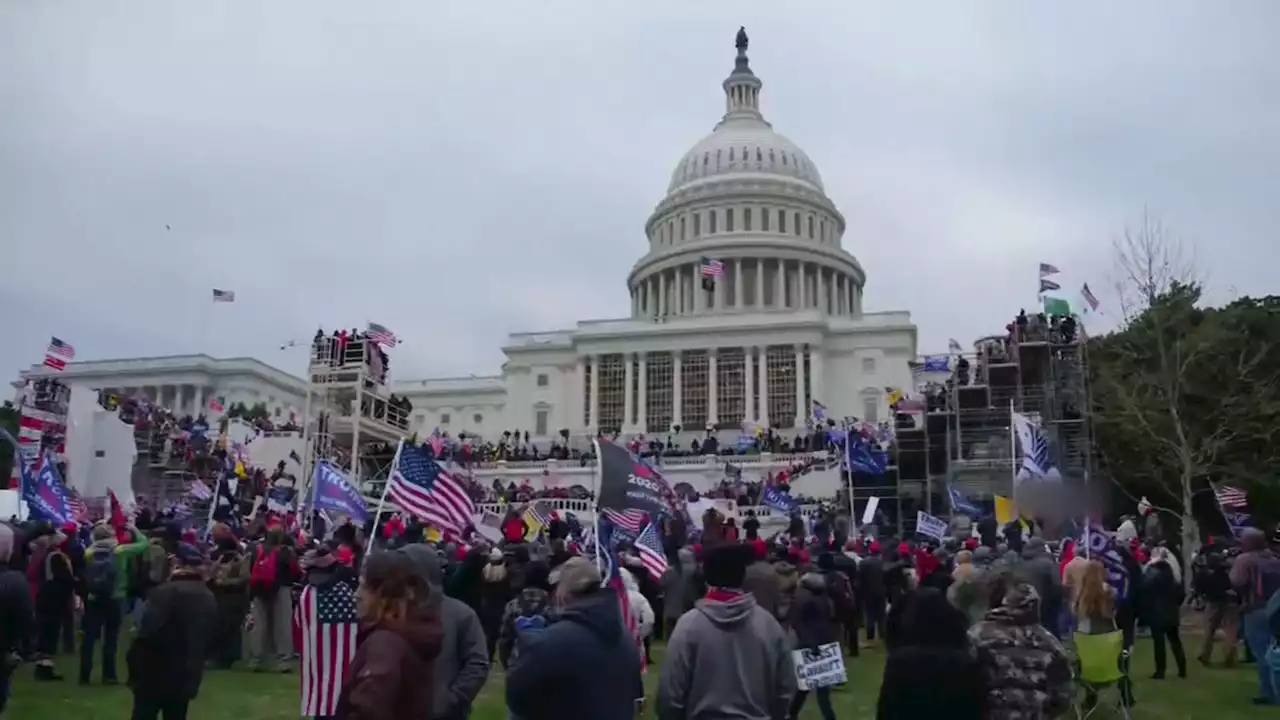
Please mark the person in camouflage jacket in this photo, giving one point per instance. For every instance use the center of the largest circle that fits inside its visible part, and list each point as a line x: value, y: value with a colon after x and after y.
x: 1028, y: 671
x: 533, y: 602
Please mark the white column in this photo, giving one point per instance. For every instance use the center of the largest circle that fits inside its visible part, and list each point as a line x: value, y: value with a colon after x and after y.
x: 662, y: 294
x: 797, y: 286
x: 822, y: 291
x: 594, y: 424
x: 202, y: 399
x: 757, y: 292
x: 677, y: 390
x: 695, y: 284
x: 815, y: 373
x: 763, y: 390
x: 737, y: 285
x: 802, y: 412
x: 837, y: 303
x: 780, y: 285
x: 682, y: 296
x: 643, y: 391
x: 713, y: 388
x: 719, y: 291
x: 855, y: 299
x: 748, y: 385
x: 629, y: 400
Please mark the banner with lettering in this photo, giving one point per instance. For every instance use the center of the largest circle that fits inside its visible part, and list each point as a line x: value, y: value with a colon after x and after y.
x: 930, y: 526
x: 629, y: 484
x: 819, y: 667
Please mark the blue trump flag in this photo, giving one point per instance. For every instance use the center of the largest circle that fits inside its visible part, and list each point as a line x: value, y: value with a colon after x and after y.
x: 861, y: 458
x: 333, y: 492
x: 44, y: 493
x: 778, y: 500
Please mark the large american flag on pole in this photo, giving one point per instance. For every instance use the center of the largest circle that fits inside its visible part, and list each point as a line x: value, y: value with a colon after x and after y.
x: 424, y: 489
x: 328, y: 619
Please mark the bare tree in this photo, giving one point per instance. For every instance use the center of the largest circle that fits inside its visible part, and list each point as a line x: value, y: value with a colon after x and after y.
x: 1145, y: 378
x: 1149, y: 259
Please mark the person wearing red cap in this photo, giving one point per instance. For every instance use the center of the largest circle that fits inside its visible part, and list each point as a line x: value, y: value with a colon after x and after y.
x: 761, y: 580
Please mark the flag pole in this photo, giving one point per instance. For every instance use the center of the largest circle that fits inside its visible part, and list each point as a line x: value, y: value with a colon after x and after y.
x: 217, y: 494
x: 386, y: 487
x: 853, y: 513
x: 1013, y: 455
x: 596, y: 481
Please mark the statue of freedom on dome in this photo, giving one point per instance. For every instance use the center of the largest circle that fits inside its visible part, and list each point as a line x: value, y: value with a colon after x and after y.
x: 741, y: 41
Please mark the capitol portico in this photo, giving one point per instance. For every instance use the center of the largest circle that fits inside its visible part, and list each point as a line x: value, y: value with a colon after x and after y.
x: 783, y: 324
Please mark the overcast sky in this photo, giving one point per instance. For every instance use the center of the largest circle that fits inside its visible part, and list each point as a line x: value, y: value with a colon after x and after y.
x: 458, y: 171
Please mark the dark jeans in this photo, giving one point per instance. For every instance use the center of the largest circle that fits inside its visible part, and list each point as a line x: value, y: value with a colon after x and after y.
x: 152, y: 709
x: 873, y: 615
x: 824, y: 703
x: 6, y: 679
x: 1158, y: 638
x: 102, y: 619
x: 69, y: 631
x: 48, y: 630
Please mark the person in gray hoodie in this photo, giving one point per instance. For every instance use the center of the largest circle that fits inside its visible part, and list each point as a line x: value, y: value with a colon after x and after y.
x: 728, y: 657
x: 462, y: 667
x: 1040, y: 570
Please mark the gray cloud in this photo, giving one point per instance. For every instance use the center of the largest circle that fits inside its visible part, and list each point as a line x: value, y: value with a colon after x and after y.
x: 462, y: 172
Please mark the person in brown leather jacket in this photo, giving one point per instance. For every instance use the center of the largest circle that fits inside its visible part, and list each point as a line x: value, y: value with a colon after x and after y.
x: 391, y: 676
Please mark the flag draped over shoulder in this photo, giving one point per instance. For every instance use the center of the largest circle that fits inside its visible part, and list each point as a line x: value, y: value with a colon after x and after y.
x: 328, y: 620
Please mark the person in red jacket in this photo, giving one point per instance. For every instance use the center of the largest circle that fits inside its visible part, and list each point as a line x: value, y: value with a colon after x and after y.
x: 514, y: 528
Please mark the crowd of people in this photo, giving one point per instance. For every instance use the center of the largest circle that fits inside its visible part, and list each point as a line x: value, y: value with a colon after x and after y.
x: 973, y: 627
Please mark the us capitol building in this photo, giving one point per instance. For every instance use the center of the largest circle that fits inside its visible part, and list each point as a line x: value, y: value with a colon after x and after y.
x: 781, y: 326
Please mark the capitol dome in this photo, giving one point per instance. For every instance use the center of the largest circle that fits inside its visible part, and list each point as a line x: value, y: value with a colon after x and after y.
x: 746, y: 223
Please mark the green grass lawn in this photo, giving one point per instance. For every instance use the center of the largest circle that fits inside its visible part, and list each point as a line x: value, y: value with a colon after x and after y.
x: 1213, y: 693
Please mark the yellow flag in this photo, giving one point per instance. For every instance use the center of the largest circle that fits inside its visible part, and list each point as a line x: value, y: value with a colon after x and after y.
x: 1004, y: 510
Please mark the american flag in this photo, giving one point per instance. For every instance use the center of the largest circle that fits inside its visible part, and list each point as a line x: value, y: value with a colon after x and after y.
x: 1230, y: 497
x: 1089, y: 297
x: 61, y: 349
x: 630, y: 520
x: 380, y: 335
x: 224, y: 295
x: 649, y: 547
x: 424, y: 489
x: 198, y: 490
x: 216, y: 404
x: 328, y: 621
x: 712, y: 268
x: 76, y: 505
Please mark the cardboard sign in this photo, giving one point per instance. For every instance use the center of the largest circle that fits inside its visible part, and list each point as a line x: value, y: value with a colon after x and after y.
x: 819, y: 667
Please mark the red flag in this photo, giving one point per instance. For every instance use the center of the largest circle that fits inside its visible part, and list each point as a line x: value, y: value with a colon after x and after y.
x: 118, y: 519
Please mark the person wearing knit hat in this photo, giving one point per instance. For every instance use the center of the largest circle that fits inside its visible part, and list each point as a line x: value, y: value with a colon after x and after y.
x: 743, y: 662
x: 583, y: 665
x: 166, y: 661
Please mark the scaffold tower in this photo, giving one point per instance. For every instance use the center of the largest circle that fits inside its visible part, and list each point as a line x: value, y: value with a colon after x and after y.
x: 965, y: 438
x: 352, y: 420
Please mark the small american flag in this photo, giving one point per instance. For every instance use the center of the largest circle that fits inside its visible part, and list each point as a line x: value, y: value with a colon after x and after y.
x: 76, y: 505
x: 216, y: 404
x: 424, y: 489
x: 712, y: 268
x: 380, y: 335
x: 649, y: 548
x: 328, y: 621
x: 198, y: 490
x: 224, y: 295
x: 61, y: 349
x: 630, y: 520
x: 1089, y: 297
x: 1230, y: 497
